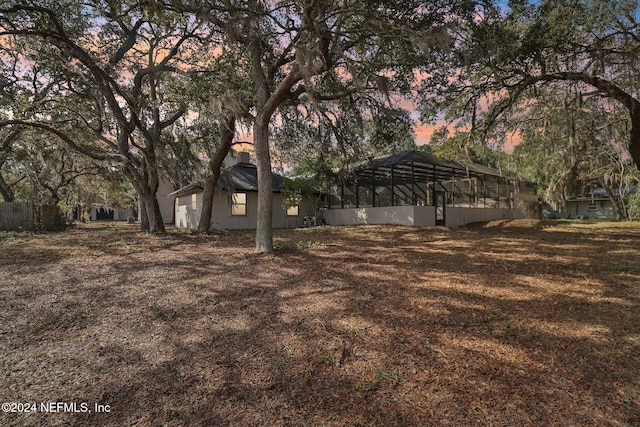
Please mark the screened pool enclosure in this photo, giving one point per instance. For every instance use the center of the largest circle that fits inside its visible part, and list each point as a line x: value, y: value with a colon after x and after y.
x: 395, y: 188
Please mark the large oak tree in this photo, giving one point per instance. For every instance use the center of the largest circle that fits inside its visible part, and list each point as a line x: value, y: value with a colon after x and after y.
x: 505, y: 56
x: 293, y: 47
x: 109, y: 65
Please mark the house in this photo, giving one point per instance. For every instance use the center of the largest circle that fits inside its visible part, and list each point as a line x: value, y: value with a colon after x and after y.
x: 110, y: 214
x: 235, y: 202
x: 594, y: 204
x: 418, y: 189
x: 104, y: 212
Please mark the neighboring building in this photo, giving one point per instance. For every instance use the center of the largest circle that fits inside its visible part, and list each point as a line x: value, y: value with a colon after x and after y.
x: 595, y: 204
x: 235, y: 202
x: 419, y: 189
x: 107, y: 214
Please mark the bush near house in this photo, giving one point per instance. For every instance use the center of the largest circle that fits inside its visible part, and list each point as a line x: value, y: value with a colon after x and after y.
x: 633, y: 206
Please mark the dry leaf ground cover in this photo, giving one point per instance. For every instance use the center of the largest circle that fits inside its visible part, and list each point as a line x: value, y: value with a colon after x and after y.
x: 521, y: 323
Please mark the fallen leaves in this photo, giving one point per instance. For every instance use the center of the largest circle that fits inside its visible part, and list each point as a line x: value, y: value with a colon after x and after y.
x: 510, y: 324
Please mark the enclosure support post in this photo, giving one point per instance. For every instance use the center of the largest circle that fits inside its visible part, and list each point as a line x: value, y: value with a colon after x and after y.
x: 373, y: 184
x: 512, y: 190
x: 473, y: 196
x: 414, y: 199
x: 433, y: 189
x: 484, y: 190
x: 393, y: 197
x: 342, y: 195
x: 357, y: 195
x: 453, y: 194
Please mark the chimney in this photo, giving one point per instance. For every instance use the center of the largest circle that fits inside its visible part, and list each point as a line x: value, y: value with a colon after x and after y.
x: 243, y: 157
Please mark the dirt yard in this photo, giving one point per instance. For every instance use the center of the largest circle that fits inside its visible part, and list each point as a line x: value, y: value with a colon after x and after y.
x: 520, y: 323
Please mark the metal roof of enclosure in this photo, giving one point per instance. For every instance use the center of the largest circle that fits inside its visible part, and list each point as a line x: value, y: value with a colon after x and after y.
x: 415, y: 166
x: 416, y: 178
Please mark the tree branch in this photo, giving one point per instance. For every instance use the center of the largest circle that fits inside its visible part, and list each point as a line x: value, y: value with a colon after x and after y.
x: 66, y: 139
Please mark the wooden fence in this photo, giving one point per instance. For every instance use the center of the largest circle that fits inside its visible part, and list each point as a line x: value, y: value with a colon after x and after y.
x: 25, y: 216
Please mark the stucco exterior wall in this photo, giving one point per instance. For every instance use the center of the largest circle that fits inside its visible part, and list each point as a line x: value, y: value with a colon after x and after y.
x: 425, y: 215
x: 397, y: 215
x: 165, y: 203
x: 456, y: 217
x: 187, y: 217
x: 414, y: 215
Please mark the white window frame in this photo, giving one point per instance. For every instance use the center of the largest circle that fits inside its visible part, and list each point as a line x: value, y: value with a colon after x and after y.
x: 237, y: 204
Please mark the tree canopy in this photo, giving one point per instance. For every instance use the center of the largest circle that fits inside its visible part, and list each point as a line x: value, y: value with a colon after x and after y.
x: 142, y: 88
x: 106, y: 79
x: 504, y: 59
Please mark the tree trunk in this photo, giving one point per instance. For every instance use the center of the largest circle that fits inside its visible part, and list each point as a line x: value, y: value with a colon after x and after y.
x: 156, y: 223
x: 634, y: 144
x: 151, y: 211
x: 144, y: 219
x: 86, y: 213
x: 612, y: 199
x: 150, y: 215
x: 227, y: 133
x: 266, y: 104
x: 5, y: 149
x: 5, y: 190
x: 264, y: 232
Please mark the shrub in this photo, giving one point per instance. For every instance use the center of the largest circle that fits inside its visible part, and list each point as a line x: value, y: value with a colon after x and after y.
x: 633, y: 206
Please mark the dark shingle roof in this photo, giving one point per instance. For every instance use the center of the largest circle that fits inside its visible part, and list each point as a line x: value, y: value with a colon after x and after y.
x: 189, y: 189
x: 239, y: 177
x: 244, y: 177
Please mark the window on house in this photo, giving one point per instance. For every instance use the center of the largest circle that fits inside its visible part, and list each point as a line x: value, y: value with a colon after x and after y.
x: 239, y: 204
x: 194, y: 202
x: 592, y: 206
x: 291, y: 203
